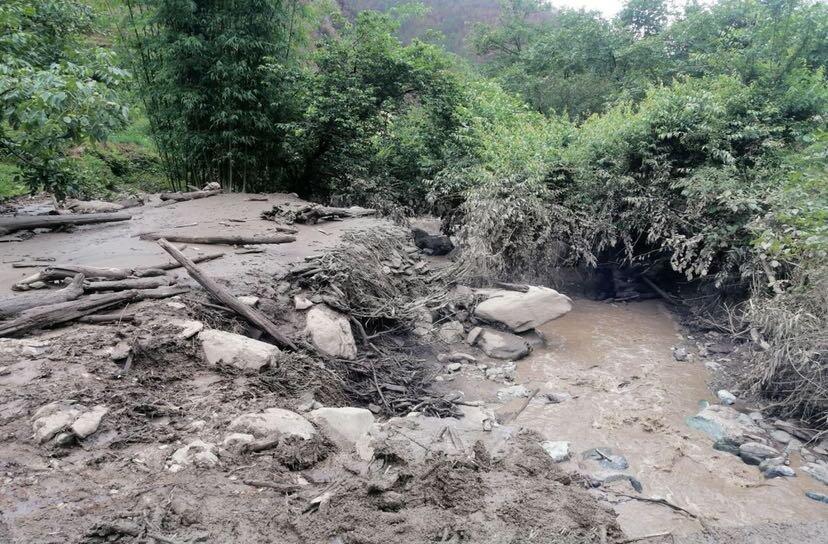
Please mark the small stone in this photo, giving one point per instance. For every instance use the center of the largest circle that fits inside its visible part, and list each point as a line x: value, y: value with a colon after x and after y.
x: 513, y: 392
x: 771, y: 462
x: 451, y: 332
x: 88, y: 423
x: 454, y: 367
x: 249, y: 300
x: 557, y: 398
x: 273, y: 421
x: 756, y: 416
x: 781, y: 436
x: 779, y: 471
x: 503, y: 345
x: 474, y: 335
x: 759, y: 450
x: 750, y: 459
x: 726, y: 397
x: 346, y: 427
x: 235, y: 349
x: 680, y: 353
x: 722, y: 348
x: 53, y: 418
x: 330, y: 331
x: 726, y: 445
x: 301, y: 303
x: 197, y: 453
x: 177, y: 305
x: 120, y: 351
x: 189, y: 328
x: 456, y: 357
x: 559, y: 451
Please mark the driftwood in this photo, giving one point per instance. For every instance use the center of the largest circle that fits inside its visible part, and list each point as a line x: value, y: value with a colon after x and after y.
x: 521, y: 288
x: 180, y: 197
x: 14, y: 305
x: 107, y: 318
x: 315, y: 214
x: 230, y: 240
x: 55, y: 314
x: 254, y: 316
x: 129, y: 283
x: 15, y: 223
x: 59, y: 272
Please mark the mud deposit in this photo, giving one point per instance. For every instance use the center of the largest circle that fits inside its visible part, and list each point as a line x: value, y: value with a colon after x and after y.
x: 182, y: 453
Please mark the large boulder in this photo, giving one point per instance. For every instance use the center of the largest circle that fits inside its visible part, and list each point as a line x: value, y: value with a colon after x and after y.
x: 524, y: 311
x: 345, y: 427
x: 331, y: 333
x: 273, y: 421
x: 235, y: 349
x: 502, y: 345
x: 723, y: 422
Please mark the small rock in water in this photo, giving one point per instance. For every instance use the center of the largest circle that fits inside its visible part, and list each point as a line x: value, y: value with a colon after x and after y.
x: 557, y: 450
x: 820, y: 497
x: 680, y: 353
x: 779, y: 471
x: 607, y: 458
x: 726, y: 397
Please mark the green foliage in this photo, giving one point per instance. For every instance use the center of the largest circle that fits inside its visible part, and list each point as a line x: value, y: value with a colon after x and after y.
x: 55, y: 90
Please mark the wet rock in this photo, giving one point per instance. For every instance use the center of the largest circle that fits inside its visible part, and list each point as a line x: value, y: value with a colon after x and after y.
x: 432, y: 244
x: 771, y: 462
x: 819, y: 497
x: 345, y: 427
x: 88, y: 422
x: 451, y: 332
x: 236, y: 350
x: 726, y: 445
x: 781, y: 436
x: 780, y: 471
x: 454, y: 367
x: 513, y: 392
x: 330, y: 332
x: 724, y: 422
x: 273, y: 421
x: 726, y: 397
x: 53, y: 418
x: 750, y: 459
x: 817, y: 471
x: 759, y: 450
x: 301, y: 303
x: 680, y: 353
x: 524, y: 311
x: 502, y: 345
x: 559, y: 451
x: 197, y: 453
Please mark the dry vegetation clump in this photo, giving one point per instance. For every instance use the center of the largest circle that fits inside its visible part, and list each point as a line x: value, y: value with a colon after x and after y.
x: 791, y: 369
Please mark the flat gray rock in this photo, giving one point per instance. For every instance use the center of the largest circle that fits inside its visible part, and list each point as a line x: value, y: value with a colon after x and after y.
x: 502, y: 345
x: 524, y: 311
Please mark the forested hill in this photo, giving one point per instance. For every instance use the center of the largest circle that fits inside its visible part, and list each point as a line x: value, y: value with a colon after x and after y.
x: 453, y: 18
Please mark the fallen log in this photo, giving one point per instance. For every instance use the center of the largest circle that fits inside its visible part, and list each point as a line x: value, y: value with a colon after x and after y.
x: 55, y: 314
x: 218, y: 292
x: 12, y: 306
x: 314, y: 214
x: 192, y: 195
x: 173, y: 265
x: 10, y: 224
x: 129, y: 283
x: 230, y: 240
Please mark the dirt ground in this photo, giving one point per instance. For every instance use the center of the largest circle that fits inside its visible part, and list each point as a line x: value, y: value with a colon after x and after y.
x: 427, y: 479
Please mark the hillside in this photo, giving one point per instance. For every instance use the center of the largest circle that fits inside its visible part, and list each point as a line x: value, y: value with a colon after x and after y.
x: 453, y: 19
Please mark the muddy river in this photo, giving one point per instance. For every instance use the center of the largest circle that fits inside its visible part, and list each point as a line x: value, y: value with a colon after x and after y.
x: 630, y: 395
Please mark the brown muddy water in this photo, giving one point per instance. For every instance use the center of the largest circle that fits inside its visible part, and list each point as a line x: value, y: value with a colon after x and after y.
x: 630, y: 395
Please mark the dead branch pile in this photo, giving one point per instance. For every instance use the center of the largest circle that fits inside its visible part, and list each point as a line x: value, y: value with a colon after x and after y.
x: 378, y: 277
x: 313, y: 213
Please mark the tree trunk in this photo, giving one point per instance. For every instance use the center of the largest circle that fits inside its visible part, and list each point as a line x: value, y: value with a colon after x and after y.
x: 15, y: 223
x: 180, y: 197
x: 131, y: 283
x: 14, y: 305
x: 220, y: 293
x: 229, y: 239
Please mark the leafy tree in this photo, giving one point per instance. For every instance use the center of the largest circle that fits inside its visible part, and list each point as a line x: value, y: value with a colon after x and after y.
x: 644, y: 17
x: 56, y: 90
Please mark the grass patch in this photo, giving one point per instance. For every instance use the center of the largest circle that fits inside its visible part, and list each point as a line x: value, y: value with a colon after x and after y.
x: 9, y: 187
